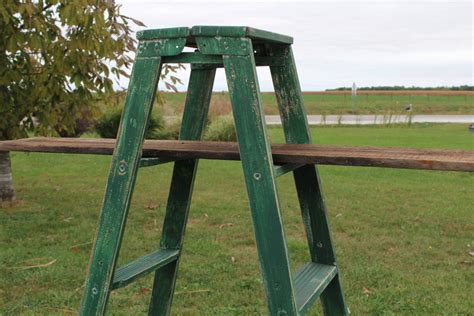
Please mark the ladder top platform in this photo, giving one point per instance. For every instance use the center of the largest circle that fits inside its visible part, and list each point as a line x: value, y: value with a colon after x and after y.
x: 390, y: 157
x: 256, y: 35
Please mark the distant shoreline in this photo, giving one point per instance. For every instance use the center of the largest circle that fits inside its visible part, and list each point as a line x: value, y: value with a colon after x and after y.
x: 373, y: 92
x: 393, y: 92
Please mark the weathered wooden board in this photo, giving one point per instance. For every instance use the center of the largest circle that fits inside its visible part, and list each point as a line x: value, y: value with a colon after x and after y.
x: 390, y: 157
x: 240, y: 31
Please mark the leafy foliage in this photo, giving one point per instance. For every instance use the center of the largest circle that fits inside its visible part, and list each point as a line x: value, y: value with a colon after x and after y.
x: 169, y: 131
x: 83, y: 122
x: 57, y: 57
x: 221, y: 129
x: 108, y: 124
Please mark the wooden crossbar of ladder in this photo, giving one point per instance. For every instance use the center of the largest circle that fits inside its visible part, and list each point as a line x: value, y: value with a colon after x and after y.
x: 239, y: 50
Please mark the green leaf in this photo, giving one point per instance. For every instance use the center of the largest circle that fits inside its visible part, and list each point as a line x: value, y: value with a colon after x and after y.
x: 58, y: 58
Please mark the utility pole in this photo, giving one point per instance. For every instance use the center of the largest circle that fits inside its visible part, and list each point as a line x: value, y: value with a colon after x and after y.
x: 354, y: 94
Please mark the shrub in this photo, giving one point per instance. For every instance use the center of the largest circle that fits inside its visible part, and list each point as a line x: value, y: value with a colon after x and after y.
x: 83, y: 122
x: 169, y: 131
x: 221, y: 129
x: 108, y: 124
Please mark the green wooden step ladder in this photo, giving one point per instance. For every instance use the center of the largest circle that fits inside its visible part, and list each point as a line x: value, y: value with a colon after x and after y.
x: 239, y: 50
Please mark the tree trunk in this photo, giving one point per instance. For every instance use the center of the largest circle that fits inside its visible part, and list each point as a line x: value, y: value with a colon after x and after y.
x: 7, y: 192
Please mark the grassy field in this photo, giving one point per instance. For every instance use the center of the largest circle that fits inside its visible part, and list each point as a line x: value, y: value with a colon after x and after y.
x: 338, y: 103
x: 402, y: 237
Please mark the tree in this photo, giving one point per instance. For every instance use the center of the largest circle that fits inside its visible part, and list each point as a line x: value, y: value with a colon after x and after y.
x: 57, y: 58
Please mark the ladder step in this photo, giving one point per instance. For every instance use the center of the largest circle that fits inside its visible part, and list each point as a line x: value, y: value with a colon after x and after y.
x: 283, y: 169
x: 148, y: 162
x: 310, y: 282
x: 143, y: 265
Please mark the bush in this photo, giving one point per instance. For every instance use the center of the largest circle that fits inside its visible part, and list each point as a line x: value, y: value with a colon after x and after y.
x: 169, y: 131
x: 108, y: 124
x: 83, y: 122
x: 221, y: 129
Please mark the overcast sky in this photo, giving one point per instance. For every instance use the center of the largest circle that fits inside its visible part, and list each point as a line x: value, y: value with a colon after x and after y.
x: 421, y: 43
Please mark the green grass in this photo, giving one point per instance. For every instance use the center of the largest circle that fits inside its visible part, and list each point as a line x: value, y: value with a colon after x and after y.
x: 371, y: 104
x: 402, y: 237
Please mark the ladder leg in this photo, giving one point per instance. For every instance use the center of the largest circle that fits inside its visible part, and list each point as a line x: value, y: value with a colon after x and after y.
x: 120, y: 183
x: 310, y: 195
x: 193, y: 123
x: 257, y: 164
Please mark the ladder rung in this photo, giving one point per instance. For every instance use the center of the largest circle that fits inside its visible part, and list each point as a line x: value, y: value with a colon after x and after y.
x: 148, y: 162
x: 282, y: 169
x: 310, y: 282
x: 143, y: 265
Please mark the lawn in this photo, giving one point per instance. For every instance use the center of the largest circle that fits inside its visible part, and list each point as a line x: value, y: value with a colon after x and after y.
x: 387, y: 103
x: 403, y: 237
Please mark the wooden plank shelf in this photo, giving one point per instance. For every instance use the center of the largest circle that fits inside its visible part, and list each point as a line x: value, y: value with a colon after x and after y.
x: 390, y: 157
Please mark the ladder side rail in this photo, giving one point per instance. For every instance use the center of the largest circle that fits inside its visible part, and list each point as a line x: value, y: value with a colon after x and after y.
x: 257, y: 165
x: 120, y: 184
x: 307, y: 179
x: 179, y: 199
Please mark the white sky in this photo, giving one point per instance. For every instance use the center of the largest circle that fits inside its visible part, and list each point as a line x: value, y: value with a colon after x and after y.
x: 421, y: 43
